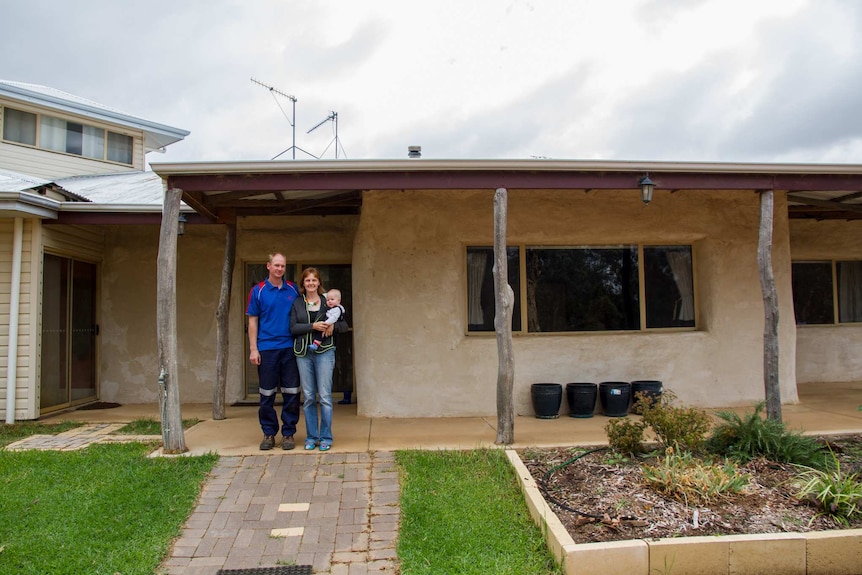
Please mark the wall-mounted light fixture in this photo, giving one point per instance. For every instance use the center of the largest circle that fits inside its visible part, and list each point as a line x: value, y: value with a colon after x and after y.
x: 647, y: 186
x: 181, y: 224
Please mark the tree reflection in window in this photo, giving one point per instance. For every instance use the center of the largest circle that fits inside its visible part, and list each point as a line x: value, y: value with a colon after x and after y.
x: 582, y: 289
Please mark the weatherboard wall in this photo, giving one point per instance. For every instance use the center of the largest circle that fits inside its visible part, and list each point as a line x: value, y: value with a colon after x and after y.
x: 48, y: 164
x: 25, y: 388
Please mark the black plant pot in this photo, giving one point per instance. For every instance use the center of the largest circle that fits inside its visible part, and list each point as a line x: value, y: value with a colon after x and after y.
x: 615, y: 396
x: 649, y: 389
x: 547, y: 398
x: 582, y: 399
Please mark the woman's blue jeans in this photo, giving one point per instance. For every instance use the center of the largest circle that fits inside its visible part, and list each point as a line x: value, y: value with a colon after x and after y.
x: 315, y: 374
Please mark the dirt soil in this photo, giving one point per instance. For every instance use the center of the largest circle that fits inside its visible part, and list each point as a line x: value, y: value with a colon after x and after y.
x: 602, y: 497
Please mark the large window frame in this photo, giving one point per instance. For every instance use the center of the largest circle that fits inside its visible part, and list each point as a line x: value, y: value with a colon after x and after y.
x: 66, y: 136
x: 827, y: 292
x: 650, y: 287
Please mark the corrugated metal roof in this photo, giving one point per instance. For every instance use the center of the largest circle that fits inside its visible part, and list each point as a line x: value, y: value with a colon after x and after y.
x: 15, y: 182
x: 156, y: 135
x: 121, y: 188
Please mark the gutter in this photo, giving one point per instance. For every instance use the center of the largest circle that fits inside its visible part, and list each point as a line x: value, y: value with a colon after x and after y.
x: 407, y: 165
x: 26, y: 204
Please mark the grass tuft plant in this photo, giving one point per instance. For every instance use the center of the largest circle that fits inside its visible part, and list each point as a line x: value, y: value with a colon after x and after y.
x: 746, y: 437
x: 833, y: 492
x: 692, y: 480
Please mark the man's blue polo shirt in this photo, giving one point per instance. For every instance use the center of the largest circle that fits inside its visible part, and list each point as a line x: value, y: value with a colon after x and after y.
x: 271, y: 305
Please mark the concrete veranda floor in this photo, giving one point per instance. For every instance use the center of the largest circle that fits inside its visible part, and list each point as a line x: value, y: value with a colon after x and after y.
x: 823, y: 408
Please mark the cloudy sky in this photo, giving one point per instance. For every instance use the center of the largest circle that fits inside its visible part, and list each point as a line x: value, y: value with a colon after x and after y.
x: 699, y: 80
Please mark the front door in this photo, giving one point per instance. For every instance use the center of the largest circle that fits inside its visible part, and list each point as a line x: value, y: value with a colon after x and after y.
x: 69, y: 330
x: 331, y: 275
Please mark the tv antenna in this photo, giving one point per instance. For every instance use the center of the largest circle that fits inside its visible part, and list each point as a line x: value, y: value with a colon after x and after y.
x: 333, y: 117
x: 291, y: 120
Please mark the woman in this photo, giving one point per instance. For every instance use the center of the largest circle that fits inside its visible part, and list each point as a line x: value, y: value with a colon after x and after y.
x: 315, y: 366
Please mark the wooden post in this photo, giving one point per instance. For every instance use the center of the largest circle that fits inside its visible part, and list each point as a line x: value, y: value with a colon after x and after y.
x: 504, y: 302
x: 169, y: 399
x: 770, y: 308
x: 222, y: 317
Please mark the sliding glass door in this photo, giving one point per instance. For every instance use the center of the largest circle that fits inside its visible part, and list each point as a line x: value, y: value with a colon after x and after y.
x: 69, y: 332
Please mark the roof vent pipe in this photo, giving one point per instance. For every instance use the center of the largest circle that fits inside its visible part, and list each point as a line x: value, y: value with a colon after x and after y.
x: 414, y: 151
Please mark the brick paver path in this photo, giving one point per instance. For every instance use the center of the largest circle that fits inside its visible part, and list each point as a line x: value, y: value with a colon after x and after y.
x: 78, y: 438
x: 338, y: 512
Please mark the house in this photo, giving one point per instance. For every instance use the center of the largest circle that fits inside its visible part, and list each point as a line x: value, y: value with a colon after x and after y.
x: 61, y: 154
x: 608, y: 287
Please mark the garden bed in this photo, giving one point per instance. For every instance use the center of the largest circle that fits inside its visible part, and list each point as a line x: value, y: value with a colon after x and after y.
x: 603, y: 497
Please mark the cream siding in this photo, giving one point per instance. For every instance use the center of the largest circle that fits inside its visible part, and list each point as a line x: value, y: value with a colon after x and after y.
x: 52, y: 165
x: 26, y: 361
x: 827, y: 352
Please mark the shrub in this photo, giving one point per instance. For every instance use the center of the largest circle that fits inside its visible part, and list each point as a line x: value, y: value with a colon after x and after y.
x: 835, y: 493
x: 691, y: 480
x: 750, y: 436
x: 625, y: 436
x: 680, y: 427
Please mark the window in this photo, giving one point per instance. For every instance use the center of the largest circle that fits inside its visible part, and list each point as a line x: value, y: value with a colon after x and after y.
x: 73, y: 138
x: 582, y: 289
x: 69, y: 137
x: 817, y: 286
x: 589, y: 288
x: 119, y: 148
x: 668, y: 286
x: 19, y: 127
x: 481, y: 307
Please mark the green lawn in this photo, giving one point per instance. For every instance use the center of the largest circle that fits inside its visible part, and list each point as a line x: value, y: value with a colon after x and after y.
x: 106, y: 509
x: 462, y: 513
x: 149, y: 426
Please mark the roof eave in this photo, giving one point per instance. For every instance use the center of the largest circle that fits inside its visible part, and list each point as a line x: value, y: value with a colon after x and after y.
x: 27, y: 205
x: 154, y: 131
x: 536, y: 165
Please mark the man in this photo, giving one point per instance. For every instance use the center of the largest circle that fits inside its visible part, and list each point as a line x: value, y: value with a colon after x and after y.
x: 271, y: 345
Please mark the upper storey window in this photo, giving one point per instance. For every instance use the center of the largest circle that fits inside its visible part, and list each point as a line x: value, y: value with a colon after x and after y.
x: 58, y: 135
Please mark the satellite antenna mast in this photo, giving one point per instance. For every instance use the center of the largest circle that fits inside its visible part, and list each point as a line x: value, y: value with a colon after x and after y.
x: 291, y: 120
x: 333, y: 116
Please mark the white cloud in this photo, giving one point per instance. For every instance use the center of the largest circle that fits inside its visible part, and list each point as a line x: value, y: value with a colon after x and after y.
x: 629, y: 79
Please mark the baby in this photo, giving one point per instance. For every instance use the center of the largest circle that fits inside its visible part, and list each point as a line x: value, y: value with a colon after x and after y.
x: 334, y: 311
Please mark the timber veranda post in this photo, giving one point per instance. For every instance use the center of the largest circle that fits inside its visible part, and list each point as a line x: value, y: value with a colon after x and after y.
x: 503, y: 304
x: 166, y: 315
x: 223, y: 321
x: 771, y: 383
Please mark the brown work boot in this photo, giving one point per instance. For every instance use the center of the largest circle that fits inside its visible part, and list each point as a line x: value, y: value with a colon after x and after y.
x: 287, y: 443
x: 267, y: 443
